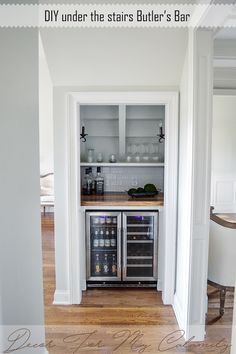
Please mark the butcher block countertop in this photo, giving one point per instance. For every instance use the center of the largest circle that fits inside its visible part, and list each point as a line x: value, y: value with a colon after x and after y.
x: 120, y: 199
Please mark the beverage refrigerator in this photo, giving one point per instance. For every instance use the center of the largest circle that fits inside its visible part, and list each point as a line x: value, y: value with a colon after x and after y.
x: 121, y: 248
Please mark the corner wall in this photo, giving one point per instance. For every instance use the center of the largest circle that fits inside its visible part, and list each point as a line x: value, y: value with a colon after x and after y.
x: 194, y: 185
x: 20, y: 243
x: 184, y: 197
x: 45, y: 114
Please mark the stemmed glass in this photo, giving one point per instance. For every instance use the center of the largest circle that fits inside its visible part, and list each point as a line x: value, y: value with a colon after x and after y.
x: 155, y: 156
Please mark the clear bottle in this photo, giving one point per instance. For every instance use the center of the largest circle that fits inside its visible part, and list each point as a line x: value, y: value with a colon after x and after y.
x: 105, y: 264
x: 114, y: 266
x: 92, y: 178
x: 113, y: 238
x: 96, y: 239
x: 97, y: 265
x: 99, y: 182
x: 108, y: 220
x: 107, y: 239
x: 101, y: 239
x: 87, y: 183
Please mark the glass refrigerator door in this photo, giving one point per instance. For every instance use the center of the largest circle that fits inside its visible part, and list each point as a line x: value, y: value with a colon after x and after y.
x: 103, y: 246
x: 140, y: 246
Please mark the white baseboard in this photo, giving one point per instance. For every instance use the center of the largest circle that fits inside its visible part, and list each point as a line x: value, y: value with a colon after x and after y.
x: 178, y: 313
x: 83, y: 285
x: 194, y: 331
x: 62, y: 298
x: 159, y: 285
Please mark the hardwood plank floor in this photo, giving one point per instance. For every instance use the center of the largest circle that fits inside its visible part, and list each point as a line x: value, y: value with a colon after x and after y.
x: 119, y: 320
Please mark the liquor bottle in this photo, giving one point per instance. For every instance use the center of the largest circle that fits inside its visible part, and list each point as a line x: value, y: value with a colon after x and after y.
x: 102, y: 220
x: 113, y: 238
x: 97, y: 265
x: 105, y: 265
x: 99, y: 182
x: 114, y: 267
x: 93, y: 180
x: 107, y: 239
x: 108, y: 220
x: 95, y: 239
x: 101, y: 239
x: 87, y: 183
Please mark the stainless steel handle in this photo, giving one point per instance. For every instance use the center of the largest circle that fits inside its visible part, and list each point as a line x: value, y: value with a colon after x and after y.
x: 124, y: 253
x: 119, y: 252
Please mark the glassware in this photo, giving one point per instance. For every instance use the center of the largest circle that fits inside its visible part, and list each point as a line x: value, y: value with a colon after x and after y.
x: 146, y: 153
x: 99, y: 157
x: 112, y: 158
x: 90, y: 155
x: 155, y: 156
x: 129, y: 153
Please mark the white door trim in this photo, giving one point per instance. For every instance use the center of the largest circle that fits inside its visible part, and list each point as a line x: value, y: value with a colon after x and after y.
x: 74, y: 211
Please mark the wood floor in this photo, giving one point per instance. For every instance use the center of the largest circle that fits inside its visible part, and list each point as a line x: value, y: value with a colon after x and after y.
x: 120, y: 320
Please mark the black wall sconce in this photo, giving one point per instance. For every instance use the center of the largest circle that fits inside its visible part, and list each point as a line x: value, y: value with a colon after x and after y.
x: 83, y: 134
x: 161, y: 135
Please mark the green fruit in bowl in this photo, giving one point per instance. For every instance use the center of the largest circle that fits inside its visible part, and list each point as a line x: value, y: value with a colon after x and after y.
x: 150, y: 188
x: 140, y: 190
x: 131, y: 191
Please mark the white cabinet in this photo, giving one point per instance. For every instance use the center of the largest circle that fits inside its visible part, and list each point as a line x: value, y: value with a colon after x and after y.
x: 130, y: 132
x: 123, y: 130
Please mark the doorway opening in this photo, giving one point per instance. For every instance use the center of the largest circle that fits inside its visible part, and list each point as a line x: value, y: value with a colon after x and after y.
x: 222, y: 241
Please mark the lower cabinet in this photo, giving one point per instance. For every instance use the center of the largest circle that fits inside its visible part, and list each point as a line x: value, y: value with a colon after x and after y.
x: 121, y: 248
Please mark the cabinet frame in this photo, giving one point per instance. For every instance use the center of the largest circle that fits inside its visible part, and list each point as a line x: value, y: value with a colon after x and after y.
x: 73, y: 208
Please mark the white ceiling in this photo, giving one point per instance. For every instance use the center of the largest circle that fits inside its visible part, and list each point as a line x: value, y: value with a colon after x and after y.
x: 125, y: 57
x: 226, y: 33
x: 115, y: 57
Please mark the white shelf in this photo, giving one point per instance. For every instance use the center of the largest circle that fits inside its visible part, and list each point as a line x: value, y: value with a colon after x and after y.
x: 100, y: 118
x: 124, y: 164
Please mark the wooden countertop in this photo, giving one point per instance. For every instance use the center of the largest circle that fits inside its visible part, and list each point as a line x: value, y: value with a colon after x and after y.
x: 120, y: 199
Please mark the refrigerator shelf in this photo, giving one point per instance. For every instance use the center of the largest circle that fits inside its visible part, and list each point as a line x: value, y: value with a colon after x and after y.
x: 104, y: 225
x: 139, y: 233
x: 104, y: 250
x: 139, y: 225
x: 140, y: 257
x: 139, y: 241
x: 139, y: 265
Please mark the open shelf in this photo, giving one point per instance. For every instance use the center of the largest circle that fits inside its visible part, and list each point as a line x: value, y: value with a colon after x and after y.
x: 123, y: 164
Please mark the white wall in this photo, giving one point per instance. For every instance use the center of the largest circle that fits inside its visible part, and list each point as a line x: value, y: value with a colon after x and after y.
x: 223, y: 153
x: 20, y: 241
x: 194, y: 185
x: 106, y: 60
x: 45, y: 114
x: 224, y: 61
x: 61, y: 187
x: 115, y: 56
x: 184, y: 197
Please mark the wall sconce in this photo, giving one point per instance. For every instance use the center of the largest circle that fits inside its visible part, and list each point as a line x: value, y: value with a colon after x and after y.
x: 83, y: 134
x: 161, y: 135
